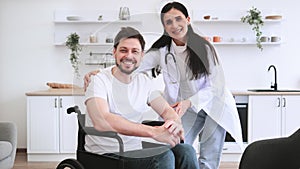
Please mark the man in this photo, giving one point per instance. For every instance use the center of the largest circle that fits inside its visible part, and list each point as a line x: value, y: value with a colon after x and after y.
x: 116, y: 99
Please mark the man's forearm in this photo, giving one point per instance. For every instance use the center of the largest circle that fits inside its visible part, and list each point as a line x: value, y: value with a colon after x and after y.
x: 162, y: 107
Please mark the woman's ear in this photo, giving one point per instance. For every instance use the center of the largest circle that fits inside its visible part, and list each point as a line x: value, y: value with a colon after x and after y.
x: 114, y: 52
x: 189, y: 20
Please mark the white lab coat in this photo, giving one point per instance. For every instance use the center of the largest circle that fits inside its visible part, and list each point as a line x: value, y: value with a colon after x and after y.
x: 210, y: 94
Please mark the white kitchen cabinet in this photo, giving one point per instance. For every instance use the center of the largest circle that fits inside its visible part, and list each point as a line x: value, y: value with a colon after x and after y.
x: 291, y: 115
x: 273, y: 116
x: 51, y: 132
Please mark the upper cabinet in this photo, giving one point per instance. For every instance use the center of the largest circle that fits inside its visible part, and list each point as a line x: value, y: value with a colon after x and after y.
x: 226, y: 28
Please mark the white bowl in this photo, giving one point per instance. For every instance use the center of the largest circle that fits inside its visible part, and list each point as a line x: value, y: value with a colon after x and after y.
x: 73, y: 18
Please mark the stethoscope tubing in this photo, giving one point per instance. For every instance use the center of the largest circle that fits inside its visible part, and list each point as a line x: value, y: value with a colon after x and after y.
x: 166, y: 57
x: 166, y: 62
x: 169, y: 53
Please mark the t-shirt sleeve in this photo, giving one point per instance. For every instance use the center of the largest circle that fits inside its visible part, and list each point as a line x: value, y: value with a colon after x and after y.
x: 96, y: 88
x: 153, y: 91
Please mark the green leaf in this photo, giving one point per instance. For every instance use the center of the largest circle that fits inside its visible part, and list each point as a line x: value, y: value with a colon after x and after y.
x: 73, y: 44
x: 254, y: 19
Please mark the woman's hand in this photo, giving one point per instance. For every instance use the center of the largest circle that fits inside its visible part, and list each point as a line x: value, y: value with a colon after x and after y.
x: 181, y: 107
x: 175, y: 128
x: 87, y: 78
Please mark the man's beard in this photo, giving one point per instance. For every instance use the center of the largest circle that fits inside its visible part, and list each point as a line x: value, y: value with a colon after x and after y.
x: 128, y: 72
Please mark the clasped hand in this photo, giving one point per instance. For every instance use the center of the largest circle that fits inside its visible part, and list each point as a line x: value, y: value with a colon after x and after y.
x: 170, y: 132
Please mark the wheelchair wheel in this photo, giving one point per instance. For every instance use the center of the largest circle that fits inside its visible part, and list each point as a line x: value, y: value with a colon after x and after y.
x: 69, y: 164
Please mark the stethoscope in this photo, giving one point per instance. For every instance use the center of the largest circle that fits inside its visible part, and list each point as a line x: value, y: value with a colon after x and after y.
x: 167, y: 55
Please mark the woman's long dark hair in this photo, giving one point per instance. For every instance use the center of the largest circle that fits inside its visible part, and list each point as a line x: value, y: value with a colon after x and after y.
x: 197, y: 59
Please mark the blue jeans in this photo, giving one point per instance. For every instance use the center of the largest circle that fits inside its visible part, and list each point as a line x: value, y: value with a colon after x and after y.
x: 211, y: 137
x: 182, y: 156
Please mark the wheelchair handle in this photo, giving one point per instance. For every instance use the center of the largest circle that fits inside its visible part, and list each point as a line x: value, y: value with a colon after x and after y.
x: 92, y: 130
x: 71, y: 110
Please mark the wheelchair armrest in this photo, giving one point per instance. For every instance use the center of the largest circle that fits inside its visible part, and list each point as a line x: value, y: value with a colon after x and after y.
x: 153, y: 123
x: 93, y: 131
x: 110, y: 134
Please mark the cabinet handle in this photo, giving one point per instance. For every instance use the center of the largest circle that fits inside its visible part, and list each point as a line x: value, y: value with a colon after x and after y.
x: 55, y: 103
x: 284, y: 102
x: 60, y: 102
x: 278, y: 102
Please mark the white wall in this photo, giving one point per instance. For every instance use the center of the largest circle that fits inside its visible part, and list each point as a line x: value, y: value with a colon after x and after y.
x: 28, y: 58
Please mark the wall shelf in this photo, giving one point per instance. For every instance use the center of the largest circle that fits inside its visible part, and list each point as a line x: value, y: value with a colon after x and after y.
x: 228, y: 26
x: 85, y: 23
x: 100, y: 63
x: 99, y: 22
x: 245, y: 43
x: 87, y: 44
x: 233, y: 21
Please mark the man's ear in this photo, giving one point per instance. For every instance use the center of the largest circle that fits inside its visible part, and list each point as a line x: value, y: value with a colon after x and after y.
x: 142, y: 54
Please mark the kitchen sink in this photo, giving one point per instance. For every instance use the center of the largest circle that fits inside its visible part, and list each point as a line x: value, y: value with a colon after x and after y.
x: 272, y: 90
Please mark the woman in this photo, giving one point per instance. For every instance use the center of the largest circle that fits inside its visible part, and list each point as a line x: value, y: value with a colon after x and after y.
x: 194, y: 84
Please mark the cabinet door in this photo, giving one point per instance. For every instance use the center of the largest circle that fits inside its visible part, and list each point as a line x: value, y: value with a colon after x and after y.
x: 68, y: 123
x: 265, y: 117
x: 42, y: 124
x: 290, y: 114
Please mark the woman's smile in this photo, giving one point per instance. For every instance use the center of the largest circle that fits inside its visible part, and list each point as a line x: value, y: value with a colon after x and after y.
x: 177, y: 31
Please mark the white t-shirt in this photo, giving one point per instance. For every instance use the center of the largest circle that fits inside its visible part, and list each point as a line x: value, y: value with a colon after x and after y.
x: 126, y: 100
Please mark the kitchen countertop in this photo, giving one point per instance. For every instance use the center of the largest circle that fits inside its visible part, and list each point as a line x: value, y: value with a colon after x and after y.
x: 57, y: 92
x: 80, y: 92
x: 245, y: 93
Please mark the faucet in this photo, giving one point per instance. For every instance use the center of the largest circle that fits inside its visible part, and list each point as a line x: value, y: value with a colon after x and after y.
x: 275, y: 84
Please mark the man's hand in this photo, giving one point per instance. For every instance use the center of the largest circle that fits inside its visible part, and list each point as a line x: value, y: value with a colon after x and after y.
x: 87, y: 78
x: 162, y: 134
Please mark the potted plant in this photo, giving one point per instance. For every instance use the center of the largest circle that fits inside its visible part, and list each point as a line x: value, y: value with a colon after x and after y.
x: 73, y: 44
x: 254, y: 19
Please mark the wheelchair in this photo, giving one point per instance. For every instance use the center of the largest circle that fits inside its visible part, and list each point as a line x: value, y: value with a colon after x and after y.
x: 272, y: 153
x: 88, y: 160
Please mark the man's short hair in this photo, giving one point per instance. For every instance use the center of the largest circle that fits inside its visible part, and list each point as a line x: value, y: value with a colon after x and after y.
x: 129, y: 32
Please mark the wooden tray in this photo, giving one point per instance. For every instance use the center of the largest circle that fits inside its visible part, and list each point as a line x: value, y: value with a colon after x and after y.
x: 274, y: 17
